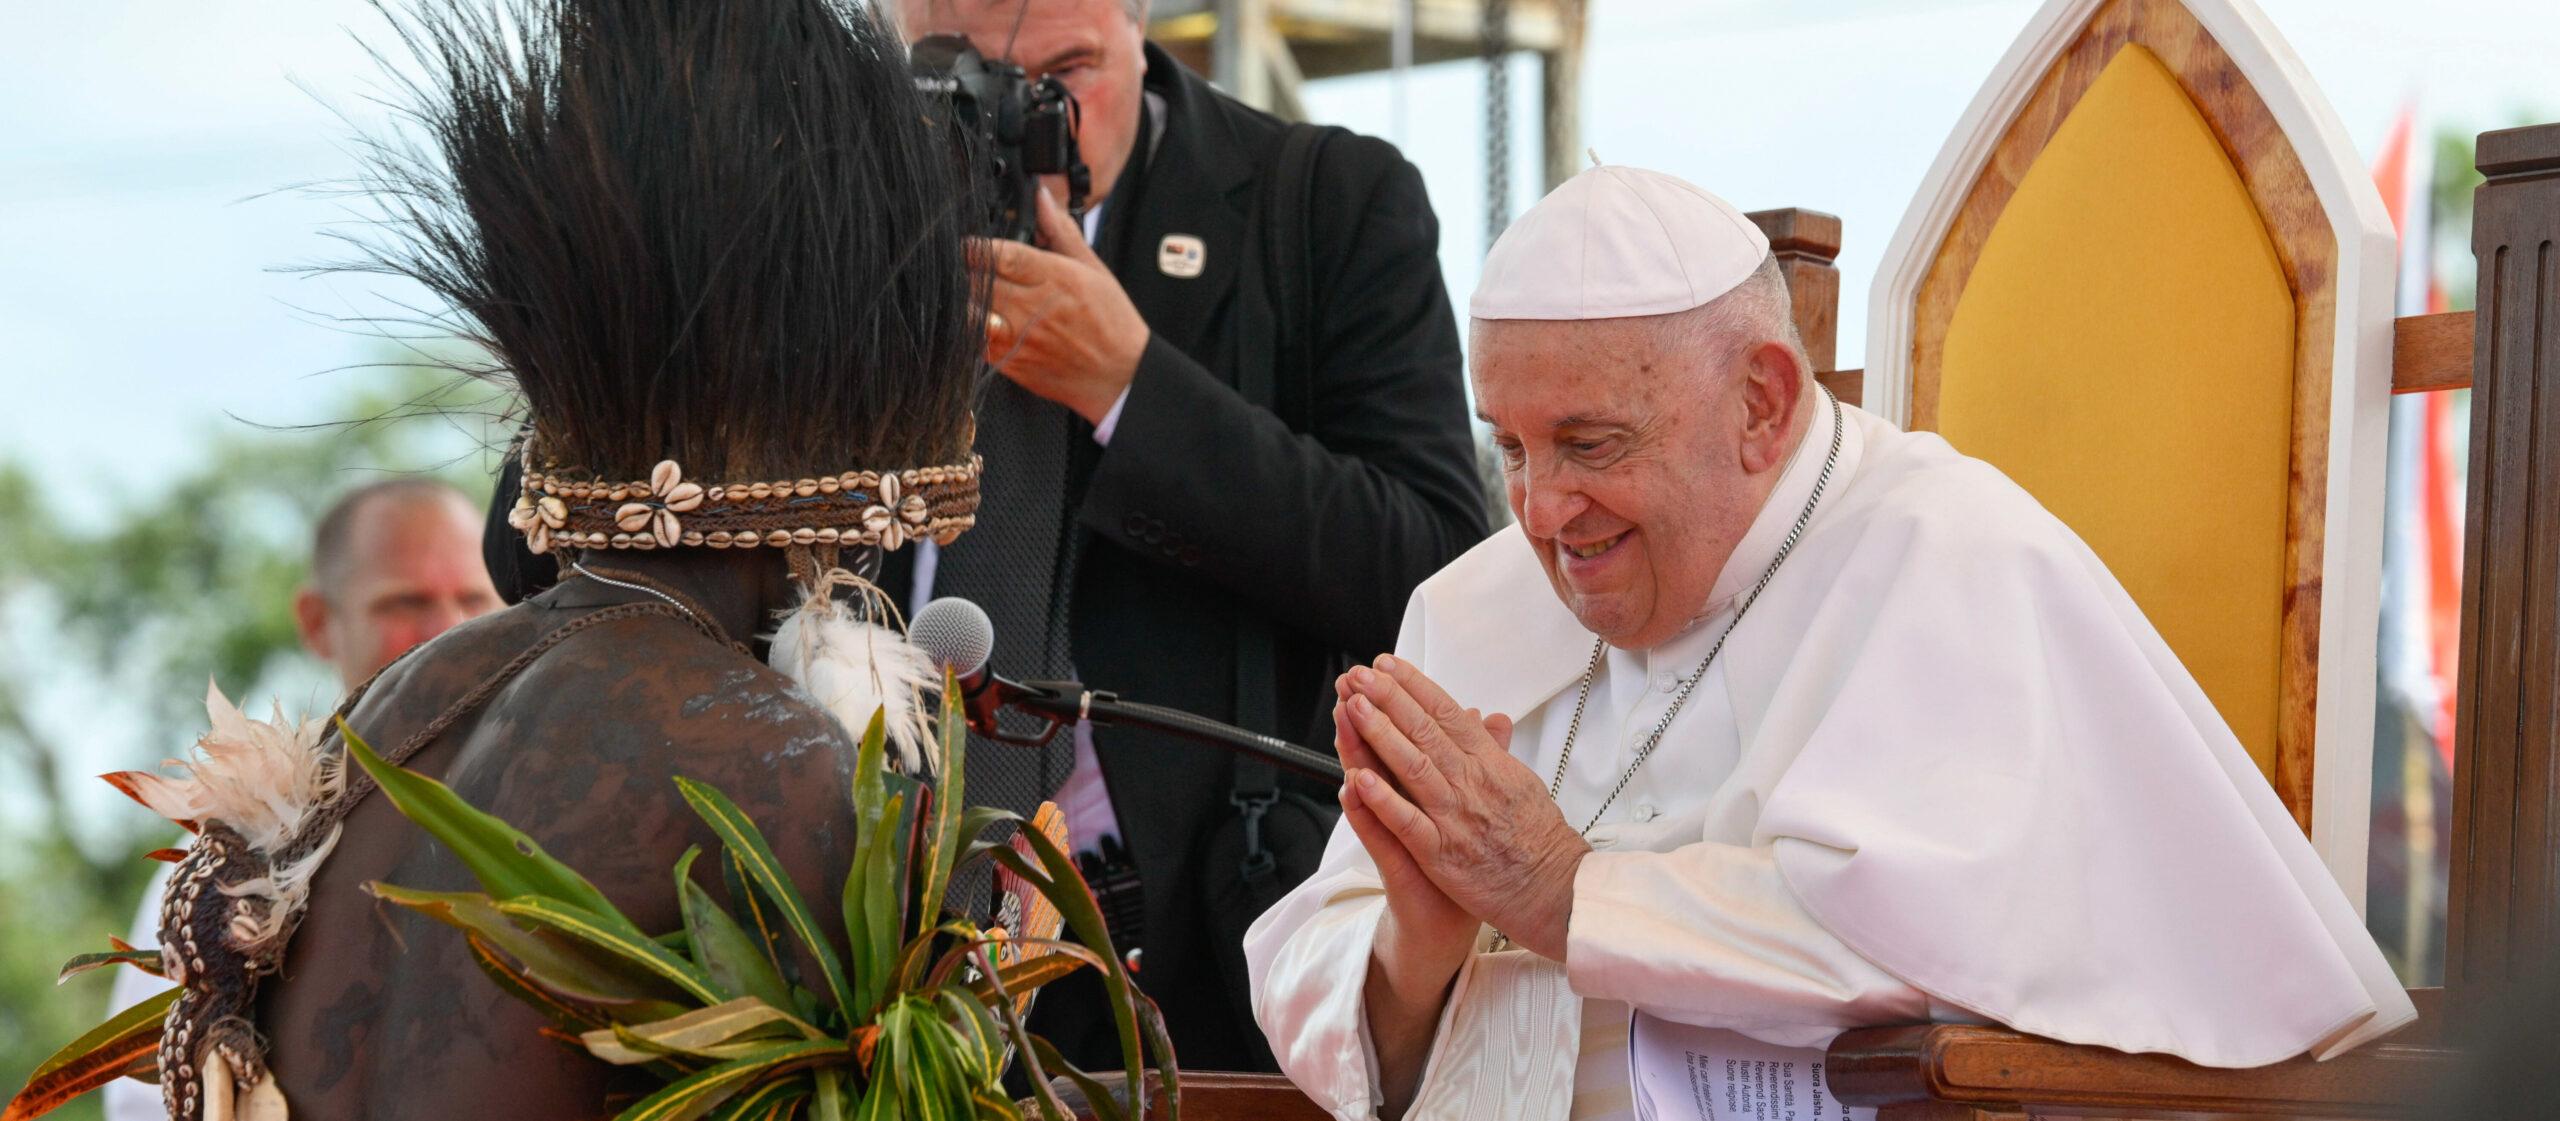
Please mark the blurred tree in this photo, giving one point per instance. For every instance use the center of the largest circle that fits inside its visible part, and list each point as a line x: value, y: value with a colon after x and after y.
x: 109, y: 629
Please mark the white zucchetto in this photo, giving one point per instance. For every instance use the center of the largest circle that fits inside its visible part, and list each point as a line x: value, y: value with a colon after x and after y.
x: 1614, y: 242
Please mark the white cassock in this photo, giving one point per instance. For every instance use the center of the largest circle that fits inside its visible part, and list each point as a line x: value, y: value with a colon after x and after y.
x: 1943, y: 770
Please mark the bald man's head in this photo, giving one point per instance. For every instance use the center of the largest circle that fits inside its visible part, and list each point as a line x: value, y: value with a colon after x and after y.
x: 393, y: 564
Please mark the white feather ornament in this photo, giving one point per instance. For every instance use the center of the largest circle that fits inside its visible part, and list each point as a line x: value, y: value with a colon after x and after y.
x: 855, y: 667
x: 260, y: 777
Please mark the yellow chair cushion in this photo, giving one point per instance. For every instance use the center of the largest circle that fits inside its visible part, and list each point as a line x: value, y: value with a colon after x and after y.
x: 2123, y: 349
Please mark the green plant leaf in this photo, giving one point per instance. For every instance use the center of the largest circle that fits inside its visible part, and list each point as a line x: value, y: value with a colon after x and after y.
x: 826, y: 1101
x: 565, y: 1014
x: 144, y: 1067
x: 1027, y: 969
x: 723, y: 1031
x: 994, y: 1106
x: 597, y: 931
x: 147, y: 961
x: 731, y: 957
x: 1105, y: 1105
x: 884, y: 1092
x: 1019, y: 1039
x: 98, y: 1057
x: 918, y: 1054
x: 941, y: 1089
x: 872, y: 933
x: 765, y: 871
x: 573, y: 970
x: 1159, y: 1041
x: 506, y: 862
x: 976, y: 820
x: 870, y: 777
x: 918, y: 955
x: 616, y: 1044
x: 1059, y: 881
x: 854, y: 902
x: 756, y: 916
x: 942, y: 839
x: 875, y: 887
x: 703, y: 1091
x: 983, y: 1050
x: 768, y: 1101
x: 1035, y: 972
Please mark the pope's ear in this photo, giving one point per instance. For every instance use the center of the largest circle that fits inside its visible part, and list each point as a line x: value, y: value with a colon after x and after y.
x: 1773, y: 387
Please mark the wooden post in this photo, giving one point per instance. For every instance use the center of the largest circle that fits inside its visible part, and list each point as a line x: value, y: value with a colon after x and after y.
x: 1805, y: 243
x: 1239, y: 58
x: 2505, y: 909
x: 1560, y: 97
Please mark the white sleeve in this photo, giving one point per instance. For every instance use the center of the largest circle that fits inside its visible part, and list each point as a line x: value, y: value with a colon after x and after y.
x: 1307, y: 959
x: 128, y: 1099
x: 1307, y: 962
x: 1709, y: 934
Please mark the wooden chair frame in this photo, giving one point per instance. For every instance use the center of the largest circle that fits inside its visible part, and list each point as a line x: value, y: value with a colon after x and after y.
x: 2505, y: 914
x: 2335, y: 245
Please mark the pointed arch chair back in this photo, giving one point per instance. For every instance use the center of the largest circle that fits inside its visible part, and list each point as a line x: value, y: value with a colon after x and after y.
x: 2148, y: 278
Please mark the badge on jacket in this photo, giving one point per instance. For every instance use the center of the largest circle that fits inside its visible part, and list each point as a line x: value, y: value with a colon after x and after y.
x: 1181, y: 256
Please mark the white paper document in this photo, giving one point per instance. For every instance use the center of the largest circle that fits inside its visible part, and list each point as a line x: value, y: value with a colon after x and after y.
x: 1686, y: 1073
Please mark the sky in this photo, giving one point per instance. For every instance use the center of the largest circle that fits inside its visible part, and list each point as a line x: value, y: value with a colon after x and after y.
x: 149, y: 233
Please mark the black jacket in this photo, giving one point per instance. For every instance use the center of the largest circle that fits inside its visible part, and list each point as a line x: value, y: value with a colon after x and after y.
x: 1207, y: 515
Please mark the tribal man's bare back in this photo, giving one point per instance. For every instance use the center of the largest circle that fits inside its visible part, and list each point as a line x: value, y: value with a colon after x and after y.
x: 380, y: 1014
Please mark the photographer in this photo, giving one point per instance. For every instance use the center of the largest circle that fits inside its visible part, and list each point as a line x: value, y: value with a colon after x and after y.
x: 1229, y: 439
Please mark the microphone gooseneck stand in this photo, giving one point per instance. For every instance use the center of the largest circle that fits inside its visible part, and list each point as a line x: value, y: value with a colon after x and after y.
x: 1063, y: 703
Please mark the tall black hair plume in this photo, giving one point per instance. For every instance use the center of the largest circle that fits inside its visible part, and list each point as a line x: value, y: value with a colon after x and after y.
x: 718, y: 231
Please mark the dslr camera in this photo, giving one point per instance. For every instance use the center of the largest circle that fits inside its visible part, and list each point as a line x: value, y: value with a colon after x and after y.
x: 1011, y: 128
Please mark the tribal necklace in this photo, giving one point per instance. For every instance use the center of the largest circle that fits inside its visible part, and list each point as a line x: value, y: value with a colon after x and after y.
x: 1689, y: 684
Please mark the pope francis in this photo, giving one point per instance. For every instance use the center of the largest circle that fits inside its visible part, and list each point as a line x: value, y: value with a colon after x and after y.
x: 1767, y: 716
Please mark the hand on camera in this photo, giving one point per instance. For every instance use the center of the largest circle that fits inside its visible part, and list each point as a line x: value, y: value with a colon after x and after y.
x: 1058, y: 322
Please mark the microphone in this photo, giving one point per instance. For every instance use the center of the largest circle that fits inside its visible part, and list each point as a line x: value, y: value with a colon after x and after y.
x: 959, y: 637
x: 957, y: 634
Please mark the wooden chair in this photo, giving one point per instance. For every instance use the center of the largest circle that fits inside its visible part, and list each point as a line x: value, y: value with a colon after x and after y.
x: 1954, y: 300
x: 2149, y: 279
x: 2322, y: 273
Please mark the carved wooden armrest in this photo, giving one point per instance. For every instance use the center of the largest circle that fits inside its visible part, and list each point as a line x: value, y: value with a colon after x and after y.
x: 1944, y: 1072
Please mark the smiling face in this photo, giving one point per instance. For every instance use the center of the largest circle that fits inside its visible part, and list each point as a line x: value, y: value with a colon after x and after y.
x: 1096, y: 48
x: 1636, y: 453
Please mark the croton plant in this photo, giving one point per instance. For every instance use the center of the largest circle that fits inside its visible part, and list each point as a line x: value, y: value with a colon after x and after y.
x: 915, y: 1014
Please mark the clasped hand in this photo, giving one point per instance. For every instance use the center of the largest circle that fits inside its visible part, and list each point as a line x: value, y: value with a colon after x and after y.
x: 1461, y: 832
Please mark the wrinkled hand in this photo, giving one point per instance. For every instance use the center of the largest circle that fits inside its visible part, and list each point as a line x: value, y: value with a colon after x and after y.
x: 1473, y: 819
x: 1058, y: 322
x: 1425, y: 936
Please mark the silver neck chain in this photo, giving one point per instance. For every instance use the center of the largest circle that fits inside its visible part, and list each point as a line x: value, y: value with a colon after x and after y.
x: 1689, y: 684
x: 580, y: 568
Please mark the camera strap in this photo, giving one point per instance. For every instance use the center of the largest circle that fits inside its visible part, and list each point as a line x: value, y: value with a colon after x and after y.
x: 1285, y: 387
